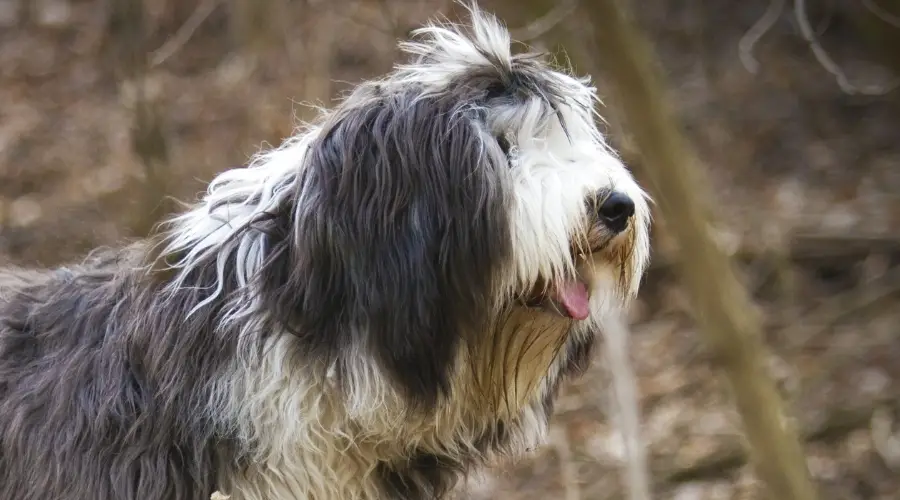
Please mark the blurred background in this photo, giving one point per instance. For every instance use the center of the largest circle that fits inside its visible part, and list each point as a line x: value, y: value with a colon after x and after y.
x: 109, y: 107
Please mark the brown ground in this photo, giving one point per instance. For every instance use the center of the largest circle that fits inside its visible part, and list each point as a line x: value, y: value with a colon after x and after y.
x: 797, y: 164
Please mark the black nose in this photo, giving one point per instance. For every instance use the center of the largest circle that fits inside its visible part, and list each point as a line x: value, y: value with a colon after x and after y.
x: 615, y: 211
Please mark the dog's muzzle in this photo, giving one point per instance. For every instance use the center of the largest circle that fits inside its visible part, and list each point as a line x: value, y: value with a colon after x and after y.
x: 569, y: 296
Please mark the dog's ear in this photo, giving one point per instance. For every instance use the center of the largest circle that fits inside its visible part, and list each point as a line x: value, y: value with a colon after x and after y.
x: 399, y: 229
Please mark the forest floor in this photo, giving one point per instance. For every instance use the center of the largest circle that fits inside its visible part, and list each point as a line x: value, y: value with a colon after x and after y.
x: 808, y: 197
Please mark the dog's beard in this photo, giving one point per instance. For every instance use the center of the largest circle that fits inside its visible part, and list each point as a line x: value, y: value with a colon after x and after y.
x: 569, y: 295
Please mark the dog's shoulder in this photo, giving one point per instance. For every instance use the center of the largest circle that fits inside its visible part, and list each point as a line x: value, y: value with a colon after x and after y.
x: 43, y: 300
x: 17, y: 279
x: 100, y: 265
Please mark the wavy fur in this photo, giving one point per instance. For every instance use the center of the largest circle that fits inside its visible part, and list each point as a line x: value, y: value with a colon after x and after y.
x: 343, y: 318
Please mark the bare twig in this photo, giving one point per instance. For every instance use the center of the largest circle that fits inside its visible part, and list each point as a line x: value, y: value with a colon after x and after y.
x: 318, y: 44
x: 625, y: 393
x: 387, y: 14
x: 127, y: 34
x: 365, y: 22
x: 771, y: 15
x: 184, y: 33
x: 560, y: 442
x: 755, y: 34
x: 828, y: 63
x: 545, y: 23
x: 879, y: 12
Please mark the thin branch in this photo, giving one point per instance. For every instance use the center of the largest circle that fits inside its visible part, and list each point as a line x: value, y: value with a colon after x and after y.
x: 184, y: 33
x: 568, y: 471
x: 625, y: 393
x: 389, y: 17
x: 755, y: 34
x: 389, y: 28
x: 825, y: 22
x: 879, y: 12
x: 354, y: 18
x: 828, y: 63
x: 545, y: 23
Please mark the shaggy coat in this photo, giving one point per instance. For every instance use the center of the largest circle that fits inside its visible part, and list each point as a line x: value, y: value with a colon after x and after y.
x: 387, y: 300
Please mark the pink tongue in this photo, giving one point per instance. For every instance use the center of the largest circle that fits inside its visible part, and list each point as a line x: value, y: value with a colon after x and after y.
x: 573, y: 297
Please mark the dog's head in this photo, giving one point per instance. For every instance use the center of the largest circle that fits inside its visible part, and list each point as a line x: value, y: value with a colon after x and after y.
x: 461, y: 208
x: 466, y: 184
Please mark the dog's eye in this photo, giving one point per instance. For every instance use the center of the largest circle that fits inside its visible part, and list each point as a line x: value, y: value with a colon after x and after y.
x: 504, y: 144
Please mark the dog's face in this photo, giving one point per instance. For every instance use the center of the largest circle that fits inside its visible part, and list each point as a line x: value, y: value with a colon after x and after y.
x: 463, y: 211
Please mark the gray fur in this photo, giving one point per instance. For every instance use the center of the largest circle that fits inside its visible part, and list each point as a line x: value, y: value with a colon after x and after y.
x: 102, y: 388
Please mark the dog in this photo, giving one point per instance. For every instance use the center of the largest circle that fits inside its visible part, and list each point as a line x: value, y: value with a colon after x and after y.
x: 384, y: 303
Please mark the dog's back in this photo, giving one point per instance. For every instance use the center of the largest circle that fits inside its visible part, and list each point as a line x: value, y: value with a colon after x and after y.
x: 80, y: 416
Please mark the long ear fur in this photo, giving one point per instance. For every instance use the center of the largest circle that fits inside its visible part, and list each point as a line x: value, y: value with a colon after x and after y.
x: 400, y: 222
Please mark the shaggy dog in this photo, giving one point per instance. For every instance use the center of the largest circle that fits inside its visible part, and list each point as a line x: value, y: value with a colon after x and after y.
x: 387, y: 300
